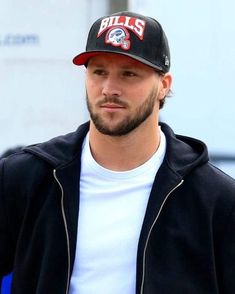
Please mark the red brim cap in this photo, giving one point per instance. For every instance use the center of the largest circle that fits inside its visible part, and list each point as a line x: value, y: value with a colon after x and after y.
x: 139, y: 37
x: 83, y: 58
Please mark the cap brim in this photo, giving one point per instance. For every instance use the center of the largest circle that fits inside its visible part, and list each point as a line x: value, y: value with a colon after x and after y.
x: 82, y: 59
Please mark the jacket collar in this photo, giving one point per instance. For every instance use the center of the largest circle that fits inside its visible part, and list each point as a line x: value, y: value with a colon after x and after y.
x: 182, y: 154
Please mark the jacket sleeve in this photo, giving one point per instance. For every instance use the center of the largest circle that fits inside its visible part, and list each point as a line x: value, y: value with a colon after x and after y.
x: 226, y: 273
x: 6, y: 256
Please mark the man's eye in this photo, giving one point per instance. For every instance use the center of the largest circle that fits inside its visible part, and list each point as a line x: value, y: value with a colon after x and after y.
x: 129, y: 74
x: 99, y: 72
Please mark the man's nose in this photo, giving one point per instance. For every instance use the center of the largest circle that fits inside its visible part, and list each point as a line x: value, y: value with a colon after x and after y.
x: 111, y: 87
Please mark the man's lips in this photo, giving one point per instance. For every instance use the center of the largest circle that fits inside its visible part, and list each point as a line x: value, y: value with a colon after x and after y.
x: 112, y: 106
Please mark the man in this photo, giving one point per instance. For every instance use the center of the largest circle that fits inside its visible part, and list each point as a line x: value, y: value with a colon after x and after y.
x: 122, y: 205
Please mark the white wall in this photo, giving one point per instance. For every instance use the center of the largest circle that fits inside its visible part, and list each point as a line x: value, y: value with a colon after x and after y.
x: 202, y: 41
x: 42, y: 92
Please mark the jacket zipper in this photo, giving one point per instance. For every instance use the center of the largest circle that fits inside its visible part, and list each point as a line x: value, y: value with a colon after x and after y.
x: 150, y: 231
x: 66, y: 229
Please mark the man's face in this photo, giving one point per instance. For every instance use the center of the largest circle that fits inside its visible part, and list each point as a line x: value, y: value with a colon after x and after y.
x: 121, y: 93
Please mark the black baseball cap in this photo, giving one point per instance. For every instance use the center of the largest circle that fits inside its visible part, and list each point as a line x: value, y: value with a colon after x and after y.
x: 137, y: 36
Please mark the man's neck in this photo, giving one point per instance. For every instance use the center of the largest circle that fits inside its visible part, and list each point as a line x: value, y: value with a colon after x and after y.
x: 126, y: 152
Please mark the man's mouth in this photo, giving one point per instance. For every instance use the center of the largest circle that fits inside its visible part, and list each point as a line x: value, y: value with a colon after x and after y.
x: 112, y: 106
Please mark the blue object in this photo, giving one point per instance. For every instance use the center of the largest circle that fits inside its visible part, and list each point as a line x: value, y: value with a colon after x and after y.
x: 6, y: 285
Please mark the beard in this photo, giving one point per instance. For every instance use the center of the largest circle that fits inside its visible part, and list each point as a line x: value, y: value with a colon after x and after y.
x: 130, y: 122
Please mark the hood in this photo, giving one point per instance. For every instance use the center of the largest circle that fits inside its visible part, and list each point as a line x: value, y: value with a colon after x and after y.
x: 60, y: 150
x: 182, y: 154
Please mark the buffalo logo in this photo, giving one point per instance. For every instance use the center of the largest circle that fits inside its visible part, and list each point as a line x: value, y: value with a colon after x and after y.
x: 118, y: 36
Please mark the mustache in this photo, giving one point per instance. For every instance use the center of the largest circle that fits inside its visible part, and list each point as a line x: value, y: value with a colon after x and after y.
x: 112, y: 99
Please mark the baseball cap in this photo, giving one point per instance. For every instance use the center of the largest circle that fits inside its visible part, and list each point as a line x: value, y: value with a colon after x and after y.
x: 137, y: 36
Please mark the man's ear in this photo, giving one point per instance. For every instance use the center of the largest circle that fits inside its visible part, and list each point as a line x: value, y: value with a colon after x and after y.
x: 166, y: 81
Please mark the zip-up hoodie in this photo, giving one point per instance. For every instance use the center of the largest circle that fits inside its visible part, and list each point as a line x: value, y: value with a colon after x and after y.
x: 187, y: 241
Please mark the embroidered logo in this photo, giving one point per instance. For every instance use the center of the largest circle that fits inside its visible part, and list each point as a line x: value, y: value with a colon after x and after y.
x: 167, y: 61
x: 118, y: 37
x: 118, y: 28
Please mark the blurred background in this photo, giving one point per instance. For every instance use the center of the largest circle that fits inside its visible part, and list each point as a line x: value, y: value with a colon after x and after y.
x: 42, y: 93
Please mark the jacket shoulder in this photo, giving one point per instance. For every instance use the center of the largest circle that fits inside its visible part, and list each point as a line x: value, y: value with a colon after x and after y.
x: 218, y: 178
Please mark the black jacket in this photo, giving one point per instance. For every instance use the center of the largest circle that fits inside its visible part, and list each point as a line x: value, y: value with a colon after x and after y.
x: 187, y: 242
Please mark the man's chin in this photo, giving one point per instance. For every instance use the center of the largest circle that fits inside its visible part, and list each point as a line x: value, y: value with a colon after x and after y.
x: 117, y: 131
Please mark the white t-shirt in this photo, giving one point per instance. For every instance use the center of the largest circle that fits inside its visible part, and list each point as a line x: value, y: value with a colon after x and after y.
x: 111, y: 212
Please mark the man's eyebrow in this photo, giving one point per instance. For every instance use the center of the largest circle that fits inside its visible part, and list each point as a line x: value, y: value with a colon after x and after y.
x: 97, y: 64
x: 122, y: 66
